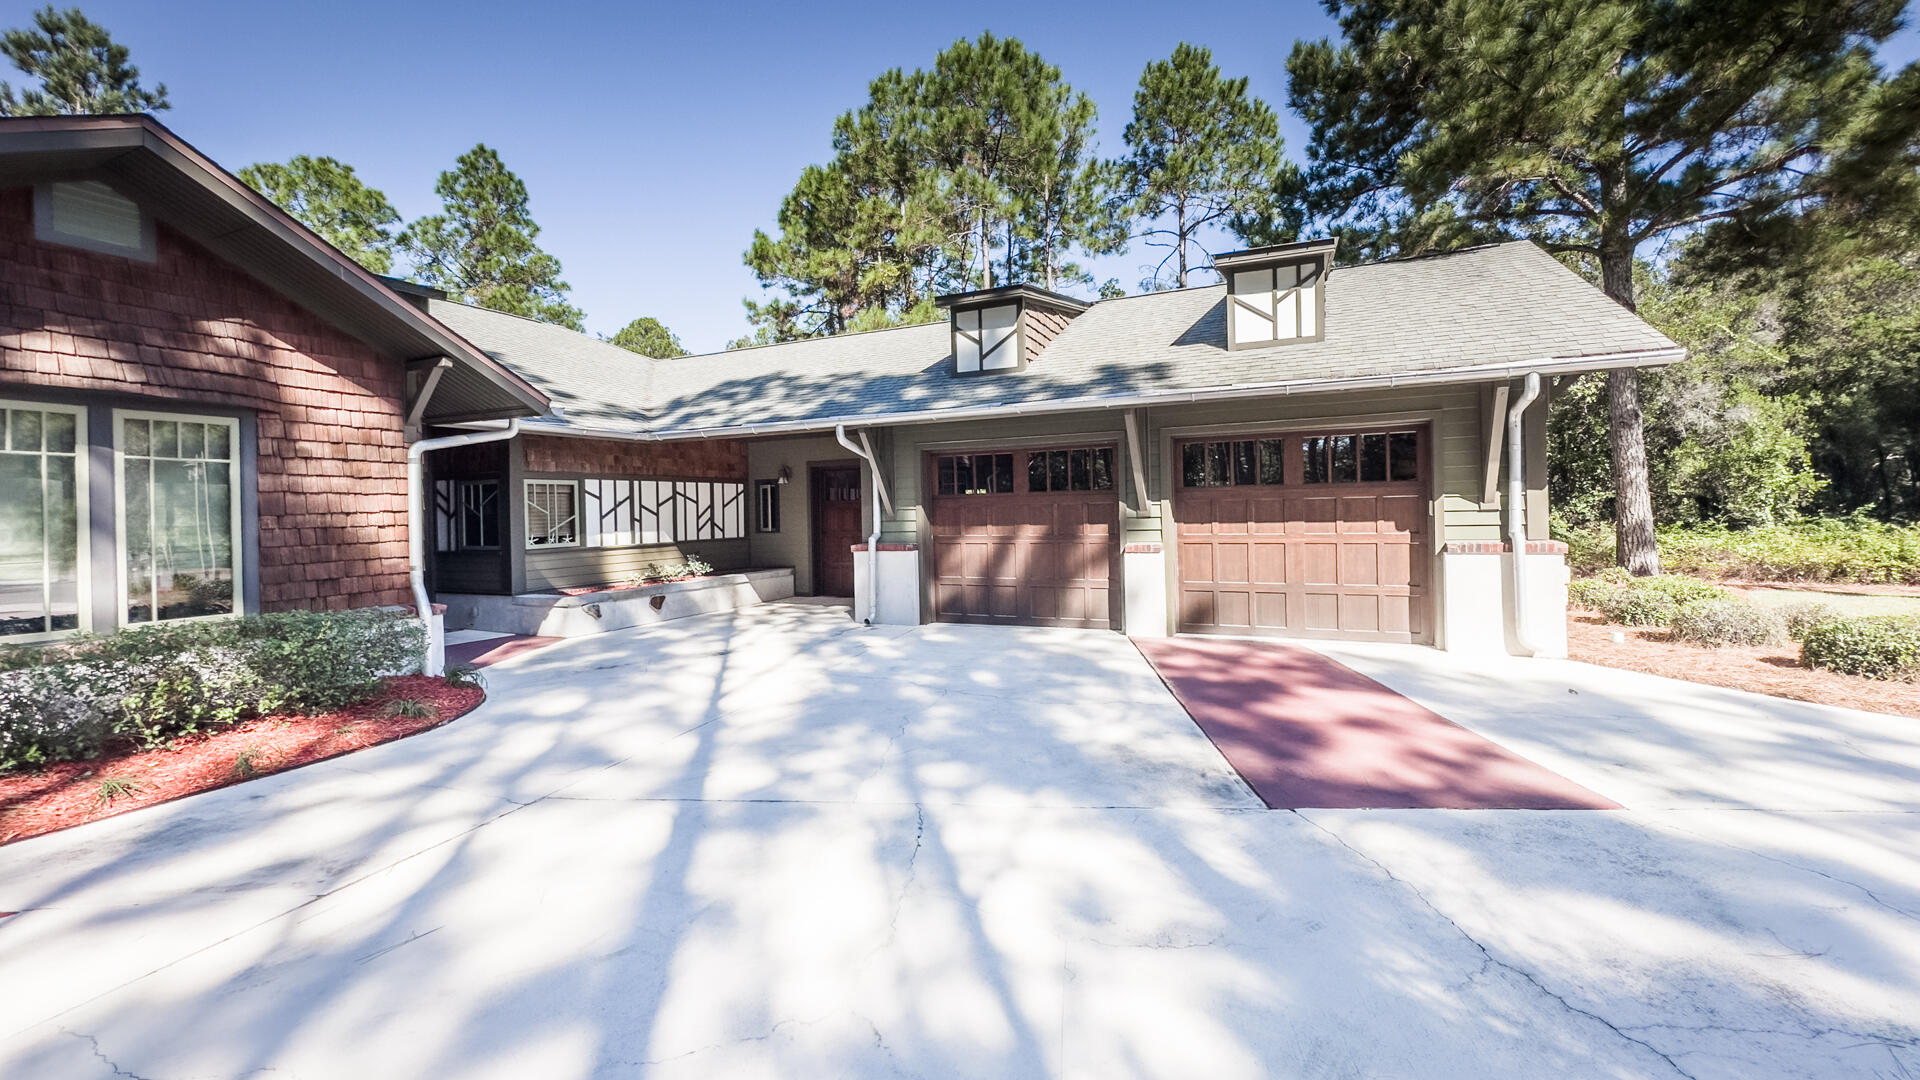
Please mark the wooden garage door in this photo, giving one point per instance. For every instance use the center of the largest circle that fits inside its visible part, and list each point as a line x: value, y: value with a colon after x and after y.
x: 1315, y: 535
x: 1024, y: 537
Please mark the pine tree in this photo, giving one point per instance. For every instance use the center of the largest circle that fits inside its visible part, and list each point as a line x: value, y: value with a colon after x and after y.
x: 649, y: 336
x: 1202, y: 153
x: 323, y: 194
x: 1592, y: 127
x: 80, y: 68
x: 480, y: 247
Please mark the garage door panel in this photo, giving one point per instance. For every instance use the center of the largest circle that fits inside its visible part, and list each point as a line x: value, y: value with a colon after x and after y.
x: 1337, y: 549
x: 1004, y: 553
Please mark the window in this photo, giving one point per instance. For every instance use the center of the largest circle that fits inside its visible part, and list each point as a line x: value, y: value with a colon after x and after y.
x: 553, y: 513
x: 42, y: 492
x: 1273, y: 304
x: 1079, y: 469
x: 1237, y: 463
x: 767, y: 506
x: 986, y: 339
x: 178, y: 515
x: 975, y: 474
x: 478, y: 514
x: 1369, y: 458
x: 89, y: 214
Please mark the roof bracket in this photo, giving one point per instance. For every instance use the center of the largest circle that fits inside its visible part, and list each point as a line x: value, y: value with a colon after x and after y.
x: 1493, y: 417
x: 420, y: 400
x: 1137, y: 459
x: 879, y: 481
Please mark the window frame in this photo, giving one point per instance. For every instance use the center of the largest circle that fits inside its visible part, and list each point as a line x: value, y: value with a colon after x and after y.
x: 83, y: 533
x: 1303, y: 295
x: 234, y: 478
x: 526, y: 492
x: 766, y: 506
x: 46, y: 231
x: 460, y: 487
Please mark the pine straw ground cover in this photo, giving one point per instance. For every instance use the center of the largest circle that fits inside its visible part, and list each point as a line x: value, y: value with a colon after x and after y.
x: 73, y: 793
x: 1762, y: 669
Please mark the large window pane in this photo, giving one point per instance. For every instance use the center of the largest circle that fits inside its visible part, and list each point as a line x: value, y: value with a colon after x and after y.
x: 1346, y: 465
x: 1373, y: 458
x: 1405, y: 455
x: 1103, y: 469
x: 1244, y: 469
x: 1037, y: 471
x: 177, y: 519
x: 1313, y: 460
x: 39, y: 518
x: 1272, y: 470
x: 1193, y: 464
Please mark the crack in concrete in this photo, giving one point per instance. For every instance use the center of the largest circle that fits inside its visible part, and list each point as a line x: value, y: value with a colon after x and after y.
x: 93, y: 1044
x: 1792, y: 865
x: 1489, y: 960
x: 709, y: 1048
x: 1811, y: 1034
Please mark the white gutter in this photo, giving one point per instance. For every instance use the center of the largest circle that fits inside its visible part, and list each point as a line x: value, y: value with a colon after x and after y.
x: 873, y: 539
x: 417, y: 515
x: 1447, y: 376
x: 1516, y: 509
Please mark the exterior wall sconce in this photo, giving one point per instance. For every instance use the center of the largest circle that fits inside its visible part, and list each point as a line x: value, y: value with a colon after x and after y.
x: 786, y: 475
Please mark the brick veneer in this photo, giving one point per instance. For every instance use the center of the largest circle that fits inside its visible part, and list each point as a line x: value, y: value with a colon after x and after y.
x: 693, y: 459
x: 191, y: 328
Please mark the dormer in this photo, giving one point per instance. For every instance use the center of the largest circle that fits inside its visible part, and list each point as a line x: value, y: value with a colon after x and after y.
x: 1004, y: 329
x: 1276, y: 295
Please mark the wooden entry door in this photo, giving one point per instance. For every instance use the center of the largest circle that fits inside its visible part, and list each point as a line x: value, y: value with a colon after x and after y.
x: 1321, y: 535
x: 836, y: 527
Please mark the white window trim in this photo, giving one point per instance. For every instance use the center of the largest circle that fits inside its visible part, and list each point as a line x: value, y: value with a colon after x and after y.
x: 120, y: 513
x: 527, y: 539
x: 766, y: 506
x: 83, y: 554
x: 45, y: 231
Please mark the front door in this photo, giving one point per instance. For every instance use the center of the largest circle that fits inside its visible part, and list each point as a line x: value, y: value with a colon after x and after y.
x: 836, y: 527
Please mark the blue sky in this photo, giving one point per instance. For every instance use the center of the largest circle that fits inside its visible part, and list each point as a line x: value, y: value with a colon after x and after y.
x: 654, y: 138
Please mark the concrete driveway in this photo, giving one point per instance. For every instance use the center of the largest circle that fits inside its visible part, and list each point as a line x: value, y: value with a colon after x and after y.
x: 775, y: 844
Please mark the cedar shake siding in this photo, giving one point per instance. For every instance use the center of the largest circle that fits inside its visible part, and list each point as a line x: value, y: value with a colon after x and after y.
x: 700, y: 459
x: 189, y: 331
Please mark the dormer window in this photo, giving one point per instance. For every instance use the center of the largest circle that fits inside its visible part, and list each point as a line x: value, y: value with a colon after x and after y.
x: 89, y: 214
x: 1005, y: 329
x: 1275, y: 295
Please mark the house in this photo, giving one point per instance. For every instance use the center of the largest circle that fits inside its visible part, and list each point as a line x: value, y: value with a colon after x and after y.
x: 206, y: 409
x: 1305, y: 450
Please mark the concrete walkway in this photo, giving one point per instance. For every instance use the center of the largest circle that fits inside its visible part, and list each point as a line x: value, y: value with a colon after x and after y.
x: 775, y: 844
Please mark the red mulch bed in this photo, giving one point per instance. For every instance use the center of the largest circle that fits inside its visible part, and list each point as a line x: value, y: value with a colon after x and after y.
x: 68, y: 794
x: 1762, y: 669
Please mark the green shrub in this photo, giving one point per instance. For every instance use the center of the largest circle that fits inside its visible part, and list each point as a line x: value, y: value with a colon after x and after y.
x: 1877, y: 646
x: 1731, y: 621
x: 1596, y: 590
x: 1655, y: 601
x: 153, y: 684
x: 1804, y: 615
x: 408, y: 708
x: 1850, y: 549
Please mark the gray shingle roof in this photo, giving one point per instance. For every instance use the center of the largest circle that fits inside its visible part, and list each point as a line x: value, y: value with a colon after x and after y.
x: 1483, y: 307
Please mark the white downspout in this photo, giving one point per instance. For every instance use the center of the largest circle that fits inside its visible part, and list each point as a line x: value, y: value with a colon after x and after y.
x: 417, y: 517
x: 873, y: 539
x: 1516, y: 509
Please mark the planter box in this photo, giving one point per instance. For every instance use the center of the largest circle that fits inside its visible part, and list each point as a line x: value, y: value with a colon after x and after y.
x: 558, y: 615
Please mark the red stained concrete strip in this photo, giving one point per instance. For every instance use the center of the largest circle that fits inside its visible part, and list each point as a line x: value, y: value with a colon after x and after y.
x: 493, y: 650
x: 1307, y: 732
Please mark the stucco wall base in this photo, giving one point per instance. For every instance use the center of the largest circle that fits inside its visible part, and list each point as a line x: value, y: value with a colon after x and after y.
x: 1476, y: 603
x: 899, y: 586
x: 557, y: 615
x: 1144, y: 578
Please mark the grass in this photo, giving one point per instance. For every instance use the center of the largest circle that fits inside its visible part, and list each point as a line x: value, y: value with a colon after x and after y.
x: 1842, y: 603
x: 114, y: 787
x: 409, y: 708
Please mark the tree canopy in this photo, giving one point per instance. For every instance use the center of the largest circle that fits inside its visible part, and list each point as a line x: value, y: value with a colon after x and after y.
x: 81, y: 69
x: 323, y: 194
x: 649, y: 336
x: 977, y: 172
x: 1201, y: 152
x: 1593, y: 127
x: 480, y: 248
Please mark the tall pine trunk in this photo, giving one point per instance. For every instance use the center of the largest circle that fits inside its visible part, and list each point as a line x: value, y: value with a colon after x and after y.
x: 1634, y: 546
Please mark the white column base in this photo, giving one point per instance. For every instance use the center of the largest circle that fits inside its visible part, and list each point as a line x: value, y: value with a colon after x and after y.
x: 1143, y: 570
x: 1476, y: 600
x: 899, y: 584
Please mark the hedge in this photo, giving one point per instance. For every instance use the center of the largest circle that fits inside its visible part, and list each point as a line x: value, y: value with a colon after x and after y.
x: 1851, y: 549
x: 150, y: 685
x: 1647, y: 601
x: 1877, y: 646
